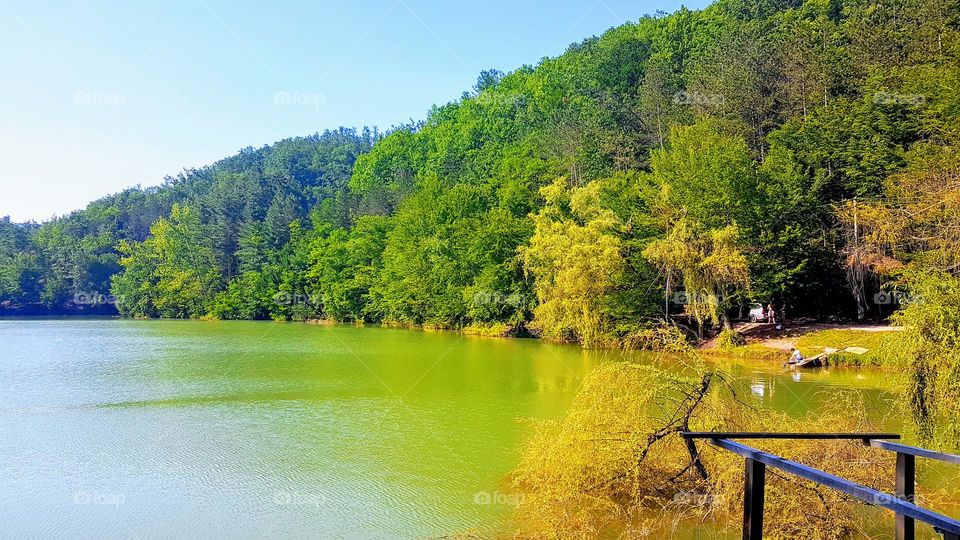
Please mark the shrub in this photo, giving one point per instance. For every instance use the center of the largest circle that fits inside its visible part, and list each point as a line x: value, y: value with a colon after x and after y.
x: 730, y: 338
x: 655, y: 337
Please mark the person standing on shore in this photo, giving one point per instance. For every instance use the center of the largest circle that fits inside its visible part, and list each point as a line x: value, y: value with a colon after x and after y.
x: 771, y: 314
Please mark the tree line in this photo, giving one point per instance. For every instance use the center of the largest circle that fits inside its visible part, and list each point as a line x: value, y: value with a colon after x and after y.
x: 780, y: 151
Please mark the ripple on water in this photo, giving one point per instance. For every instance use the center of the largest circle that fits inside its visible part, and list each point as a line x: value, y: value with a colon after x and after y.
x: 238, y: 429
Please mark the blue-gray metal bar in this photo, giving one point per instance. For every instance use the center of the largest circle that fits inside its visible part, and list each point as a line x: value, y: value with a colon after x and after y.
x: 778, y: 435
x: 868, y: 495
x: 915, y: 451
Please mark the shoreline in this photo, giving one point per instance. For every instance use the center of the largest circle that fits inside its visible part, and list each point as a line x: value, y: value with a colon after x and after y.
x: 854, y: 345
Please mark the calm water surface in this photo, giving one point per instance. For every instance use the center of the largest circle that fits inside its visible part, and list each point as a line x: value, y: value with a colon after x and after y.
x: 149, y: 429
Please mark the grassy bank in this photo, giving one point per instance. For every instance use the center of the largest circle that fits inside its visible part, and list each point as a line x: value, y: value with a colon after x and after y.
x: 852, y: 346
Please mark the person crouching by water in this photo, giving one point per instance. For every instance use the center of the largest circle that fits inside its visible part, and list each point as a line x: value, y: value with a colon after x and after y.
x: 795, y: 356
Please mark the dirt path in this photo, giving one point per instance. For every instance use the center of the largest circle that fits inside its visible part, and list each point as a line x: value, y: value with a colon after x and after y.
x: 782, y: 339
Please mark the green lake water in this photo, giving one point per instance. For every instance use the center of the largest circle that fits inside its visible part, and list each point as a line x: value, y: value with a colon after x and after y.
x: 158, y: 429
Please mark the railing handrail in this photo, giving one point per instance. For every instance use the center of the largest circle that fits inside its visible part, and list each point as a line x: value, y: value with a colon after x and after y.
x: 773, y: 435
x: 915, y: 451
x: 863, y: 493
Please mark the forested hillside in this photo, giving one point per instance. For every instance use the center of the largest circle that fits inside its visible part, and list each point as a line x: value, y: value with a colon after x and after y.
x: 751, y: 151
x: 68, y: 262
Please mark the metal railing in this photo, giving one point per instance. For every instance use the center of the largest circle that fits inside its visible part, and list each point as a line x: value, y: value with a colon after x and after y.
x: 901, y: 502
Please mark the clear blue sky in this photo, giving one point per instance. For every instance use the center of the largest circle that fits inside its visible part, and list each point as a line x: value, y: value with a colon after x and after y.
x: 99, y: 96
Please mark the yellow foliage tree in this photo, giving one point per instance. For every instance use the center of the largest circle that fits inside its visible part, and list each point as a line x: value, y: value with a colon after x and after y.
x: 711, y: 265
x: 616, y: 467
x: 913, y: 237
x: 918, y: 223
x: 574, y: 257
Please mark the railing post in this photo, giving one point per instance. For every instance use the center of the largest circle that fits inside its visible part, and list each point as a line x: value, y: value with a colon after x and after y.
x: 902, y: 502
x: 906, y: 475
x: 753, y: 484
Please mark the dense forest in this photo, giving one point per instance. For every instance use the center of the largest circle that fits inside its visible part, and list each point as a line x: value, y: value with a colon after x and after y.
x: 796, y: 153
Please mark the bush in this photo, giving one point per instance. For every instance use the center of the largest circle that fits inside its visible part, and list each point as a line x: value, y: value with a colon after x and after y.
x: 655, y: 337
x: 730, y: 338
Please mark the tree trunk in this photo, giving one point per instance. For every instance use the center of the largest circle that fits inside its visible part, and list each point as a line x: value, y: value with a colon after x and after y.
x: 725, y: 320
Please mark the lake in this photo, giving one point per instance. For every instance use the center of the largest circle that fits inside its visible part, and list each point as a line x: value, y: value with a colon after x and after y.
x: 120, y: 428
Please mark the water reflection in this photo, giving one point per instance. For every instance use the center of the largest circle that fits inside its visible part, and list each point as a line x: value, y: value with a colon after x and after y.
x: 227, y: 429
